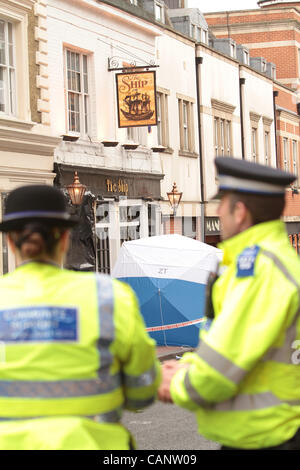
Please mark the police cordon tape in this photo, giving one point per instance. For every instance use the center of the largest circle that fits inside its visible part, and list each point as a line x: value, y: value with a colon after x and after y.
x: 176, y: 325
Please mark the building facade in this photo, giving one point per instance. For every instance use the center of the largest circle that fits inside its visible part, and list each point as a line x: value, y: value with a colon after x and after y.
x: 27, y: 143
x: 271, y: 34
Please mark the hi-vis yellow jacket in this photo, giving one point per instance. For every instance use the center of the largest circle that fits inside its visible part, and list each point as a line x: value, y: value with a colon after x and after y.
x: 73, y: 353
x: 243, y: 382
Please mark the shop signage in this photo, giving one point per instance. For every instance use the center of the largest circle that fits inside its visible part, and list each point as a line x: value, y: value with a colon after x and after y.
x: 212, y: 226
x: 116, y: 186
x: 136, y: 97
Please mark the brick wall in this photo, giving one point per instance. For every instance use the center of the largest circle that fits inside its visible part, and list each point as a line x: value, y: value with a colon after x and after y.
x: 292, y: 204
x: 285, y: 57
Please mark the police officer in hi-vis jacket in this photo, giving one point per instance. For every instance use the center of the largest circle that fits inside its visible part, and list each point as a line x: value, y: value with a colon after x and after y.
x: 75, y: 350
x: 243, y: 382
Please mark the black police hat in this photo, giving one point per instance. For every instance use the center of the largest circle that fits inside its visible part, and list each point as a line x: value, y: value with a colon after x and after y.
x: 246, y: 177
x: 36, y: 203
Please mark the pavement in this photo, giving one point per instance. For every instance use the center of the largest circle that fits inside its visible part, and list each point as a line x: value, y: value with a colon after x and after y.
x: 165, y: 353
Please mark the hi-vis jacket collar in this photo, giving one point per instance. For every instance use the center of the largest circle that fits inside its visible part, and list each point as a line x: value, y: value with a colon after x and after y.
x: 233, y: 247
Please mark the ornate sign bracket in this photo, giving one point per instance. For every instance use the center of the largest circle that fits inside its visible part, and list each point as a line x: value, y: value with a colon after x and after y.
x: 114, y: 62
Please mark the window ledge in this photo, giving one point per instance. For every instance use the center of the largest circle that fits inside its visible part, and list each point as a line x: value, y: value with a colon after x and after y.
x: 7, y: 121
x: 169, y: 150
x: 185, y: 153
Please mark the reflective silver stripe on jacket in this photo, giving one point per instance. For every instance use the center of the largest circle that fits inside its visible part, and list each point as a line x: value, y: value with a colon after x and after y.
x: 137, y: 404
x: 194, y: 394
x: 109, y: 417
x: 220, y: 363
x: 283, y: 353
x: 144, y: 380
x: 61, y: 388
x: 258, y: 401
x: 106, y: 320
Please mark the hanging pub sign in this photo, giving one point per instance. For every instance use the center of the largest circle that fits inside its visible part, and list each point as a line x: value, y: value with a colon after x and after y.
x: 136, y: 93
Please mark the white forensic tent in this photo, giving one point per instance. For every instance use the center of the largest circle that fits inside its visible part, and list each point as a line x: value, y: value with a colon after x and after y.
x: 169, y: 275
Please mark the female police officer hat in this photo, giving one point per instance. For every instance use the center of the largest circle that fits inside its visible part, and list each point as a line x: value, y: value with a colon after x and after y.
x: 36, y: 203
x: 247, y: 177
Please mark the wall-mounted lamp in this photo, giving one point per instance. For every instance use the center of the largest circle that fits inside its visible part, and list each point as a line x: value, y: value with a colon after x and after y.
x: 174, y: 198
x: 76, y: 190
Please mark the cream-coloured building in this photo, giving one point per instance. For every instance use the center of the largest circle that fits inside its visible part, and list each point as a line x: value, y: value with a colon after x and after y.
x: 26, y: 141
x: 236, y: 119
x: 89, y: 43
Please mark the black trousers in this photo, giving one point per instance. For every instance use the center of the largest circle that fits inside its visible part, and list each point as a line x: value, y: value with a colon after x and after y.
x: 292, y: 444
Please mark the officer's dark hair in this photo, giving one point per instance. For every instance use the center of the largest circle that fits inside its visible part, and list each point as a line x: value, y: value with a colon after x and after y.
x: 35, y: 239
x: 262, y: 208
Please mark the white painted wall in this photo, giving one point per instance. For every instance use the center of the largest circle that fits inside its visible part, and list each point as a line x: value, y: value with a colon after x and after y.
x: 176, y: 58
x: 102, y: 32
x: 219, y: 80
x: 258, y: 98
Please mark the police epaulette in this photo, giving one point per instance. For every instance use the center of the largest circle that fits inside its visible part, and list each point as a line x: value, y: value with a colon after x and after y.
x: 246, y: 261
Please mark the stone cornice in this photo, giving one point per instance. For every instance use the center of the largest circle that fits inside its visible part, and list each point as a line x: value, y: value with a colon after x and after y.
x: 6, y: 121
x: 17, y: 141
x: 289, y: 23
x: 286, y: 114
x: 18, y: 4
x: 254, y: 116
x: 222, y: 106
x: 267, y: 121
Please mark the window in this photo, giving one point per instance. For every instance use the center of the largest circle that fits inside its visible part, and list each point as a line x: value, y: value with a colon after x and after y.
x: 134, y: 2
x: 129, y: 223
x: 295, y: 157
x: 233, y: 50
x: 255, y: 122
x: 285, y: 154
x: 205, y: 36
x: 138, y: 135
x: 222, y: 137
x: 189, y: 227
x: 159, y: 11
x: 102, y: 237
x: 254, y: 144
x: 77, y: 92
x: 4, y: 239
x: 246, y: 57
x: 267, y: 123
x: 223, y: 116
x: 193, y: 31
x: 199, y: 34
x: 7, y: 69
x: 186, y: 125
x: 162, y: 118
x: 267, y: 148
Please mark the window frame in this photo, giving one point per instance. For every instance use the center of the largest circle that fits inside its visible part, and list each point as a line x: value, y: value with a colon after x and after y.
x: 285, y: 143
x: 186, y: 126
x: 17, y: 13
x: 222, y: 114
x: 159, y: 6
x: 295, y: 158
x: 9, y: 89
x: 163, y: 137
x: 84, y: 97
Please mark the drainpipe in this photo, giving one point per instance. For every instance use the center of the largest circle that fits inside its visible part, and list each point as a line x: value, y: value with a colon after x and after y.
x: 275, y: 94
x: 242, y: 83
x: 199, y: 61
